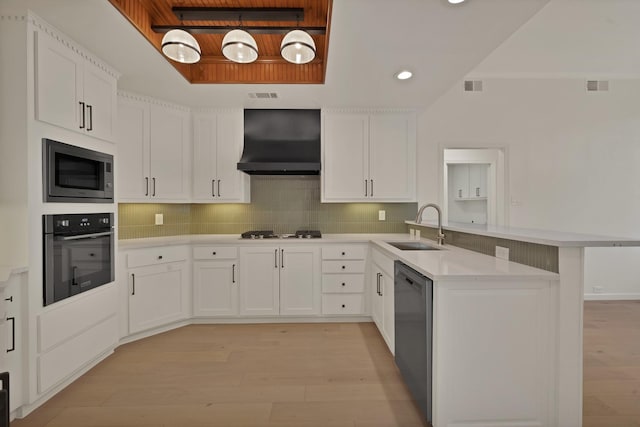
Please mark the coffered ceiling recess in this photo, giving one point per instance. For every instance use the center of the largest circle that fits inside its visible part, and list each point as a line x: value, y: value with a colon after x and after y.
x: 268, y: 21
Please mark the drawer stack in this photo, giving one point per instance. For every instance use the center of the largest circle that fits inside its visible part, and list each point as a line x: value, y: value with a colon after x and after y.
x: 343, y: 271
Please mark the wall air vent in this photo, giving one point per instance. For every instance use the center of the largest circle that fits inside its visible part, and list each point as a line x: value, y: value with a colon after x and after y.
x: 263, y: 95
x: 473, y: 85
x: 597, y: 85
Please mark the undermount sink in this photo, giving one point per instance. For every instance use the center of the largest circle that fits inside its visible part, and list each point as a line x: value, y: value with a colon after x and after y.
x: 413, y: 246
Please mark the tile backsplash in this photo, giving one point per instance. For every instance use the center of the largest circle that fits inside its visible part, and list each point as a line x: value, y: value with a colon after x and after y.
x: 283, y: 204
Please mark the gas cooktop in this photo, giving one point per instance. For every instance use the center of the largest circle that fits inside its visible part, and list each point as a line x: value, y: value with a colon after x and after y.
x: 269, y: 234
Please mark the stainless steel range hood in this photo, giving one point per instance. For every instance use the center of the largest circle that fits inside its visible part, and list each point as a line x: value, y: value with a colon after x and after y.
x: 281, y: 142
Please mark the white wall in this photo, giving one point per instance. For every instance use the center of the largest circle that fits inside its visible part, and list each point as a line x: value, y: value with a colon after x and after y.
x: 572, y: 159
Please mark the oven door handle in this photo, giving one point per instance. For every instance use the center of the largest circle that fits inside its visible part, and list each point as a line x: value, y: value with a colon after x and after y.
x: 85, y: 236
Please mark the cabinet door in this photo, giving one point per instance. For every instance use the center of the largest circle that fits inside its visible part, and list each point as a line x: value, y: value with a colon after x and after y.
x: 204, y: 157
x: 99, y: 95
x: 459, y: 175
x: 132, y: 143
x: 157, y: 296
x: 15, y: 353
x: 259, y: 280
x: 388, y: 311
x: 169, y: 153
x: 345, y: 143
x: 392, y: 156
x: 376, y: 298
x: 478, y: 180
x: 58, y: 73
x: 232, y: 185
x: 299, y: 280
x: 215, y: 288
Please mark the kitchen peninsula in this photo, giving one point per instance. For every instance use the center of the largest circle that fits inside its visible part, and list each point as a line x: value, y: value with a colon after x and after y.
x: 559, y: 252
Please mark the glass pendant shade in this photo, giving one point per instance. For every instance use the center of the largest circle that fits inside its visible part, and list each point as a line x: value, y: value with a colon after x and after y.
x: 181, y: 46
x: 239, y: 46
x: 298, y: 47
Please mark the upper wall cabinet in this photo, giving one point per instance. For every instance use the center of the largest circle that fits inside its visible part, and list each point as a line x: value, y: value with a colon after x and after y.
x: 369, y: 157
x: 153, y: 151
x: 72, y: 91
x: 217, y: 147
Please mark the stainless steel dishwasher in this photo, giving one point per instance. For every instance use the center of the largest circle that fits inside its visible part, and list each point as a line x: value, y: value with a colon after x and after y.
x: 413, y: 293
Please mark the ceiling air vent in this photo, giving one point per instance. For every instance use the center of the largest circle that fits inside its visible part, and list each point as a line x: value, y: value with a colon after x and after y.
x: 473, y: 85
x: 597, y: 85
x: 263, y: 95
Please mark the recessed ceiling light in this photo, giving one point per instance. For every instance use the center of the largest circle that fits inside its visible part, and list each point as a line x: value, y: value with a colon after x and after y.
x: 456, y: 1
x: 404, y: 75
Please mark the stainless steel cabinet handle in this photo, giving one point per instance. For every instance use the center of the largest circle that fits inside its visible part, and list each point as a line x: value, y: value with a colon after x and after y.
x: 84, y: 236
x: 366, y: 188
x: 380, y: 285
x: 460, y: 193
x: 146, y: 180
x: 13, y: 334
x: 154, y: 187
x: 275, y: 258
x: 282, y: 259
x: 83, y: 116
x: 218, y: 188
x: 378, y: 276
x: 90, y: 108
x: 213, y: 187
x: 233, y: 273
x: 371, y: 188
x: 133, y: 284
x: 477, y: 191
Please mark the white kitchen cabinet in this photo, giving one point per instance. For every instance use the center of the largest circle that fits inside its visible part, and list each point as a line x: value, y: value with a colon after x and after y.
x: 215, y: 281
x: 281, y: 280
x: 383, y: 312
x: 369, y: 157
x: 158, y: 287
x: 14, y: 348
x: 343, y: 275
x: 153, y: 146
x: 72, y: 91
x: 217, y: 147
x: 469, y: 181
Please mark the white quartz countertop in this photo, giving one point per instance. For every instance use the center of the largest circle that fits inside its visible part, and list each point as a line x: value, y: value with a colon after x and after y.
x: 449, y: 263
x: 543, y: 237
x: 6, y: 271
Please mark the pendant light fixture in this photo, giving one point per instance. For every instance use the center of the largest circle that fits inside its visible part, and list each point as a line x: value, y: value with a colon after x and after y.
x: 181, y: 47
x: 239, y: 46
x: 298, y: 47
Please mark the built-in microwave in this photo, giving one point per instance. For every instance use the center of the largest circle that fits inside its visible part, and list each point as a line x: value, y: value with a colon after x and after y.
x: 76, y: 174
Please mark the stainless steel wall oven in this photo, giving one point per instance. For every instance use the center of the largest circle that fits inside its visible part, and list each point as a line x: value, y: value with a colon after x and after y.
x: 78, y: 254
x: 75, y: 174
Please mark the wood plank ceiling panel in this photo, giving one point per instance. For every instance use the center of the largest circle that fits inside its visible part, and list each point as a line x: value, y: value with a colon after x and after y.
x: 213, y: 66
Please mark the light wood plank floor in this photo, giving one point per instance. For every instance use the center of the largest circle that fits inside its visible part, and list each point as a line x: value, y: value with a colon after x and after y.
x: 307, y: 375
x: 612, y: 364
x: 302, y: 375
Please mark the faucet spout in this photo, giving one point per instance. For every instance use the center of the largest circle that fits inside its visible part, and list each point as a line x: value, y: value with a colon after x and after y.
x: 439, y: 211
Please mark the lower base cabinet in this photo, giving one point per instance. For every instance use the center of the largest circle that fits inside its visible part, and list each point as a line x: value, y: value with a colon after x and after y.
x: 280, y: 280
x: 382, y: 300
x: 158, y: 288
x: 215, y: 288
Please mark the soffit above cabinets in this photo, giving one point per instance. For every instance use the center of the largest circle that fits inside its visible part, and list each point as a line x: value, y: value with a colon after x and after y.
x: 152, y: 17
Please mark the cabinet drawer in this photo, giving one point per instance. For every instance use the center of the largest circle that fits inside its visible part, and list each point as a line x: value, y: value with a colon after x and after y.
x: 347, y: 266
x: 383, y: 261
x: 342, y: 283
x: 153, y: 256
x: 343, y: 304
x: 344, y: 252
x: 215, y: 252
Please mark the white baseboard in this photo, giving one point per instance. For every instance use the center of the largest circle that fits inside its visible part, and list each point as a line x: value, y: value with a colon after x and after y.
x: 611, y: 297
